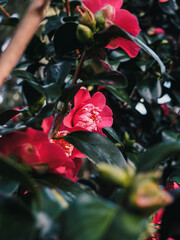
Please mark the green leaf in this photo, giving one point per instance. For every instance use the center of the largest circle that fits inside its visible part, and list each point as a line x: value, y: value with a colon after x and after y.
x: 96, y: 147
x: 175, y: 176
x: 120, y: 94
x: 94, y: 219
x: 8, y: 186
x: 112, y: 133
x: 45, y: 112
x: 58, y: 72
x: 16, y: 221
x: 65, y: 39
x: 14, y: 171
x: 24, y: 75
x: 111, y: 79
x: 89, y: 218
x: 104, y: 37
x: 72, y: 189
x: 17, y: 127
x: 3, y: 3
x: 170, y: 136
x: 52, y: 205
x: 7, y: 115
x: 157, y: 155
x: 149, y: 89
x: 168, y: 7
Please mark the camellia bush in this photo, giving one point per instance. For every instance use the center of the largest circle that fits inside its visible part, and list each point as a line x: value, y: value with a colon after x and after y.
x: 92, y: 150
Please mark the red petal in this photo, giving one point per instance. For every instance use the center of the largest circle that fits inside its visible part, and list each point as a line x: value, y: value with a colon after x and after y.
x: 115, y: 3
x: 54, y: 156
x: 68, y: 119
x: 94, y: 6
x: 128, y: 46
x: 127, y: 21
x: 98, y: 100
x: 46, y: 124
x: 106, y: 116
x: 81, y: 96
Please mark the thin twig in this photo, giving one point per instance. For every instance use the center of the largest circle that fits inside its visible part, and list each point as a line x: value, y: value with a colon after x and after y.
x: 5, y: 12
x: 27, y: 28
x: 79, y: 66
x: 68, y: 8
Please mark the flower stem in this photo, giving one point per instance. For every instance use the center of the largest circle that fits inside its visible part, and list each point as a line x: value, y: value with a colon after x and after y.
x: 68, y: 7
x: 79, y: 66
x: 5, y: 12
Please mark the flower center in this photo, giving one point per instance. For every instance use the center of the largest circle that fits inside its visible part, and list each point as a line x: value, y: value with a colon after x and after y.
x: 109, y: 12
x: 67, y: 147
x: 88, y: 117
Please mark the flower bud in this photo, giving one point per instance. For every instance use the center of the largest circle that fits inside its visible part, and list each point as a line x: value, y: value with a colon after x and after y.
x: 100, y: 20
x: 86, y: 17
x: 84, y: 34
x: 116, y: 175
x: 146, y: 194
x: 94, y: 66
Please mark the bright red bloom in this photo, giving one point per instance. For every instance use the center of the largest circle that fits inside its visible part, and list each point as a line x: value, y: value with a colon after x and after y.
x: 119, y: 17
x: 163, y: 0
x: 89, y: 114
x: 68, y: 148
x: 34, y: 148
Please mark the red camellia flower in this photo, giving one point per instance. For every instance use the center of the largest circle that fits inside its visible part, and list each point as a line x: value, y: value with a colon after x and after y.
x: 89, y: 114
x: 34, y: 148
x: 120, y: 17
x: 163, y: 0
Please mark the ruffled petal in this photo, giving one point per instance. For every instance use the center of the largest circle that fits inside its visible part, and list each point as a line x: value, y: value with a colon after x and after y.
x: 115, y: 3
x: 93, y: 6
x: 98, y: 100
x: 127, y: 21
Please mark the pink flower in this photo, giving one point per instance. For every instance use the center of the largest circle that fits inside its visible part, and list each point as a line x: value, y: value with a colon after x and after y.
x: 154, y: 31
x: 34, y: 148
x: 163, y: 0
x: 68, y: 148
x: 119, y: 17
x: 89, y: 114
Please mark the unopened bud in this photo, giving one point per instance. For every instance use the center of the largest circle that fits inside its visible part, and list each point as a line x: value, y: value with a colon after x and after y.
x: 100, y: 20
x: 84, y: 34
x: 86, y: 17
x: 116, y: 175
x: 147, y: 195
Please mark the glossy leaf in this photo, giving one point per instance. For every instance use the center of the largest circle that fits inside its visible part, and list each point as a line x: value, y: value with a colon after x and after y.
x: 65, y: 39
x: 112, y: 79
x: 14, y: 171
x: 16, y: 220
x: 96, y: 147
x: 114, y: 31
x: 157, y: 155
